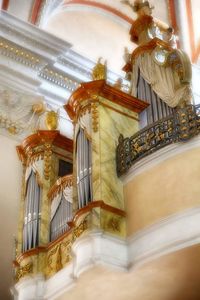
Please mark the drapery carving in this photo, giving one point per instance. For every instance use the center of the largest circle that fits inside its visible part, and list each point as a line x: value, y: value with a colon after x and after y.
x: 84, y: 122
x: 61, y: 213
x: 37, y: 168
x: 163, y: 80
x: 157, y: 70
x: 32, y: 211
x: 66, y: 194
x: 60, y: 196
x: 157, y: 109
x: 84, y: 169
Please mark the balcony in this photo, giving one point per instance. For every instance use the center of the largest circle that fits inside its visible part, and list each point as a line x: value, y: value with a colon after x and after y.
x: 180, y: 126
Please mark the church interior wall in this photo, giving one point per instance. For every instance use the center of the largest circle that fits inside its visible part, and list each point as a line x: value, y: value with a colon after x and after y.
x: 168, y: 188
x: 171, y: 277
x: 10, y: 179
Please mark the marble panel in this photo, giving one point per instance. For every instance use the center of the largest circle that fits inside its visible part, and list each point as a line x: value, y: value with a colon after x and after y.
x: 112, y: 122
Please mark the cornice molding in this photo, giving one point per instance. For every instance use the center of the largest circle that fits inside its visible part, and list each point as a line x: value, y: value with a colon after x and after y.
x: 34, y: 61
x: 45, y: 58
x: 31, y: 36
x: 42, y: 137
x: 91, y: 91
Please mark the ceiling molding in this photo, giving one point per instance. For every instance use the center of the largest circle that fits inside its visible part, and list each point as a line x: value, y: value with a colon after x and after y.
x: 100, y: 6
x: 43, y: 11
x: 34, y: 61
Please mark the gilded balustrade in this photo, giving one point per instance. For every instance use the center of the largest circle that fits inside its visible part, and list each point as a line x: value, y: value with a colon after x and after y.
x: 182, y: 125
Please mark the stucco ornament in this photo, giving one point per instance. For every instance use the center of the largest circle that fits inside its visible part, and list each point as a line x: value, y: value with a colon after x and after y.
x: 19, y: 112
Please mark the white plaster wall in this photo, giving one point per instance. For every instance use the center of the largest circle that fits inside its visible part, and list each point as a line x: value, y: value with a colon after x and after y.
x: 93, y: 35
x: 10, y: 189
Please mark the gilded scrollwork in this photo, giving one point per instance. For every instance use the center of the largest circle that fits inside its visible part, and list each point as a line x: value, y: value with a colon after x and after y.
x: 180, y: 126
x: 95, y: 116
x: 60, y: 254
x: 80, y: 229
x: 60, y: 185
x: 47, y: 160
x: 114, y: 224
x: 24, y: 271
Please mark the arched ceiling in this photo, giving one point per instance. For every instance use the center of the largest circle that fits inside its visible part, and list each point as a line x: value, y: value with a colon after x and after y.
x: 98, y: 28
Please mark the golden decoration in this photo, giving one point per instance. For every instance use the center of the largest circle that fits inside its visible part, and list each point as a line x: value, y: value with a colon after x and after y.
x: 100, y: 71
x: 95, y: 116
x: 38, y: 108
x: 114, y: 224
x: 23, y: 271
x: 80, y: 229
x: 60, y: 254
x: 60, y: 184
x: 66, y: 252
x: 12, y: 130
x: 51, y: 120
x: 47, y: 160
x: 18, y: 51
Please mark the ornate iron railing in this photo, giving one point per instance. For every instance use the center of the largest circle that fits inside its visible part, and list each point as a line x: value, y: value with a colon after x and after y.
x: 182, y: 125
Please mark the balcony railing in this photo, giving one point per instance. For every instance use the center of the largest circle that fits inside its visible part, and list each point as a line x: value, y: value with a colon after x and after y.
x: 182, y: 125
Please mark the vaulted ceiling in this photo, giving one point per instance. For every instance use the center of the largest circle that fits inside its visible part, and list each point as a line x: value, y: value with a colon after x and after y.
x: 100, y: 28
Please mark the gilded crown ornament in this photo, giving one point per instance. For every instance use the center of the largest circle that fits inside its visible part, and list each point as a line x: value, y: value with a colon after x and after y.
x: 100, y: 71
x: 51, y: 120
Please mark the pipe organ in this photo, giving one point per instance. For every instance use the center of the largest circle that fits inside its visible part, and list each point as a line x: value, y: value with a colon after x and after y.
x: 31, y: 213
x: 44, y: 155
x: 60, y: 196
x: 57, y: 206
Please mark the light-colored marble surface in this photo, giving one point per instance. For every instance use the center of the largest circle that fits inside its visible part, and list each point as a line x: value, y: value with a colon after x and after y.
x: 162, y: 190
x: 107, y: 186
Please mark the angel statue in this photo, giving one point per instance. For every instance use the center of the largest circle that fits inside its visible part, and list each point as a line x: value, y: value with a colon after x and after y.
x: 160, y: 74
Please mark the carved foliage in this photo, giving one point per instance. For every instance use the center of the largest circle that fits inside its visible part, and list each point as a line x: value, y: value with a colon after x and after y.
x: 47, y: 160
x: 60, y: 254
x: 23, y: 271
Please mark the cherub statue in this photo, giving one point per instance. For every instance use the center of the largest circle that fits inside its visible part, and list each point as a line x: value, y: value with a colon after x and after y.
x: 145, y: 27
